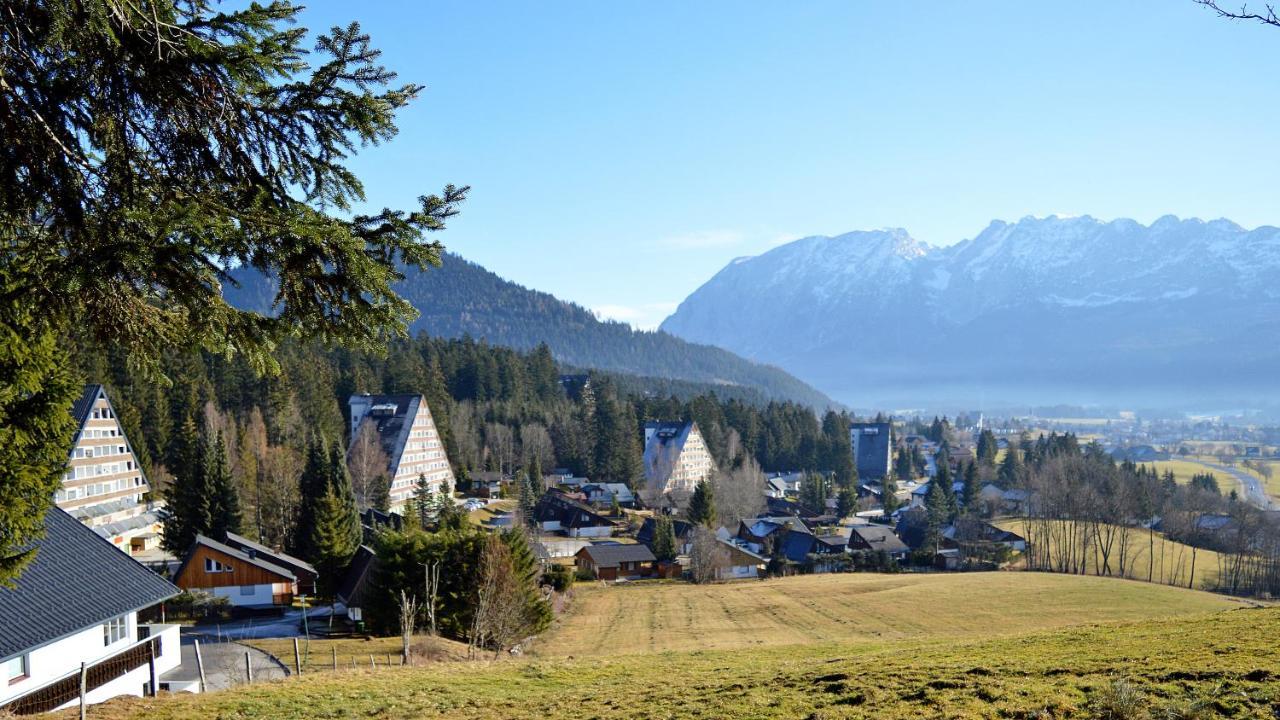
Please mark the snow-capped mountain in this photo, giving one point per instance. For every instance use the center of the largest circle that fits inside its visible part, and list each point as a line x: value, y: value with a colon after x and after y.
x: 1044, y: 309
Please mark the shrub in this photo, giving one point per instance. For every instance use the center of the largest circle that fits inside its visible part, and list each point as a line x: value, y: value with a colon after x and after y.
x: 559, y: 577
x: 1119, y: 700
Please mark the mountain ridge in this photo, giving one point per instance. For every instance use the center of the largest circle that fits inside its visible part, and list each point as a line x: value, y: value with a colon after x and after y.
x: 1087, y: 298
x: 462, y: 298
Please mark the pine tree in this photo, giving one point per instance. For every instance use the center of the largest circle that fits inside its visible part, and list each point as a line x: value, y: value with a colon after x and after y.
x: 1010, y: 473
x: 336, y: 534
x: 664, y: 539
x: 312, y: 488
x: 702, y: 506
x: 889, y: 495
x: 143, y: 167
x: 970, y: 499
x: 190, y: 513
x: 846, y: 502
x: 224, y: 498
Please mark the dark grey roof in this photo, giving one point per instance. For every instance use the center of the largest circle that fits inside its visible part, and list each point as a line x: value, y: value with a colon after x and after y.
x: 80, y: 409
x: 76, y: 581
x: 356, y: 580
x: 393, y: 428
x: 612, y: 555
x: 880, y: 537
x: 274, y: 557
x: 254, y: 559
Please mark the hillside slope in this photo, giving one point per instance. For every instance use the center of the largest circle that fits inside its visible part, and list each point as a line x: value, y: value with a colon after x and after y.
x: 1041, y: 310
x: 462, y: 298
x: 1227, y: 660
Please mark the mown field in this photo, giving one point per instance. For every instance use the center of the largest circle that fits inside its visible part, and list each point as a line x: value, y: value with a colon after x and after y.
x: 866, y: 607
x: 1164, y: 561
x: 1223, y: 664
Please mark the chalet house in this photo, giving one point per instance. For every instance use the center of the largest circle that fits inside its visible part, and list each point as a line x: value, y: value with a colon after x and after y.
x: 557, y: 512
x: 78, y: 602
x: 877, y: 538
x: 603, y: 494
x: 408, y: 435
x: 247, y: 579
x: 756, y: 531
x: 675, y: 457
x: 991, y: 497
x: 968, y: 532
x: 872, y: 448
x: 734, y: 561
x: 303, y: 570
x: 616, y: 562
x: 103, y: 486
x: 783, y: 507
x: 1016, y: 501
x: 683, y: 531
x: 356, y: 582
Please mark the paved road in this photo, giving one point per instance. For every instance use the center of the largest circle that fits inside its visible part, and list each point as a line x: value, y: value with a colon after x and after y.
x: 1253, y: 490
x: 287, y: 624
x: 224, y: 664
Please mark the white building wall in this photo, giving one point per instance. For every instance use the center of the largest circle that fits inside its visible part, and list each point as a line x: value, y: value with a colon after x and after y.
x: 245, y: 594
x: 62, y: 658
x: 423, y: 455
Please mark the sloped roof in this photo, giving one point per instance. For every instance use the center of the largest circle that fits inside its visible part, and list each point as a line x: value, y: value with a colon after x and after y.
x: 76, y: 581
x: 662, y: 447
x: 274, y: 557
x: 644, y: 535
x: 612, y: 555
x: 880, y: 537
x: 83, y: 404
x: 359, y: 572
x: 393, y: 428
x: 255, y: 559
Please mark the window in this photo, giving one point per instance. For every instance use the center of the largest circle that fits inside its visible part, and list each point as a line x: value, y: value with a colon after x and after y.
x: 246, y: 590
x: 16, y: 669
x: 115, y: 630
x: 213, y: 566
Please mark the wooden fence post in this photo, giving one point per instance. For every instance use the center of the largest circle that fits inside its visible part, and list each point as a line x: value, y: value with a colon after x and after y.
x: 334, y: 649
x: 371, y: 665
x: 297, y: 657
x: 151, y: 666
x: 84, y: 682
x: 200, y: 666
x: 248, y: 668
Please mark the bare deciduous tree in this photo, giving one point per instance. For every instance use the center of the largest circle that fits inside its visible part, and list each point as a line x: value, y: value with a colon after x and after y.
x: 706, y: 556
x: 432, y: 573
x: 367, y: 464
x: 1267, y: 16
x: 499, y: 620
x: 739, y: 492
x: 408, y: 605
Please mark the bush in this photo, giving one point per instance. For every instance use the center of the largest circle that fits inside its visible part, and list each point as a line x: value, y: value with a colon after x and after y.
x: 559, y: 577
x: 1119, y: 700
x: 583, y: 574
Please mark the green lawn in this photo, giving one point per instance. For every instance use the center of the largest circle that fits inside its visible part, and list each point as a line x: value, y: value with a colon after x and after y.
x: 1227, y: 660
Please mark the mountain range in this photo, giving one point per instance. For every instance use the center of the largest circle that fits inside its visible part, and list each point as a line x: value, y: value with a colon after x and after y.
x: 1053, y: 309
x: 462, y: 298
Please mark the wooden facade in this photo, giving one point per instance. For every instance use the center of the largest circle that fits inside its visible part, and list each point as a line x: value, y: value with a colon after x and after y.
x: 239, y: 573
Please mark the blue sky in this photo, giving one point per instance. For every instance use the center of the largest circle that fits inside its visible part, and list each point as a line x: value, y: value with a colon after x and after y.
x: 622, y: 153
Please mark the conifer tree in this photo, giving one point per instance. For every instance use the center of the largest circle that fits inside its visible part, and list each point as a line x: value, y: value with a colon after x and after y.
x: 312, y: 487
x: 224, y: 498
x: 702, y: 506
x: 970, y: 499
x: 664, y: 539
x: 889, y: 495
x: 189, y: 496
x: 335, y: 535
x: 137, y: 176
x: 1010, y: 473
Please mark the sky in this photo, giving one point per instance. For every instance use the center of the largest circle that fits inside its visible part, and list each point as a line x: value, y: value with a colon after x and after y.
x: 620, y: 154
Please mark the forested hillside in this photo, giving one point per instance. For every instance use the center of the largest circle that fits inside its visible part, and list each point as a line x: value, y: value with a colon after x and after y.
x: 496, y: 408
x: 463, y: 299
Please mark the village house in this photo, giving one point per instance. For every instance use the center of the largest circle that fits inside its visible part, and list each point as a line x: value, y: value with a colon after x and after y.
x: 303, y: 570
x: 682, y: 528
x: 734, y: 561
x: 968, y: 533
x: 675, y: 458
x: 877, y: 538
x: 103, y: 486
x: 247, y: 579
x: 616, y: 562
x: 353, y: 593
x: 409, y: 438
x: 557, y: 512
x: 78, y: 602
x: 603, y: 494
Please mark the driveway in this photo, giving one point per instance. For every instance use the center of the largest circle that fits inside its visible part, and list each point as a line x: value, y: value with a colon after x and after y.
x: 286, y: 625
x: 224, y: 664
